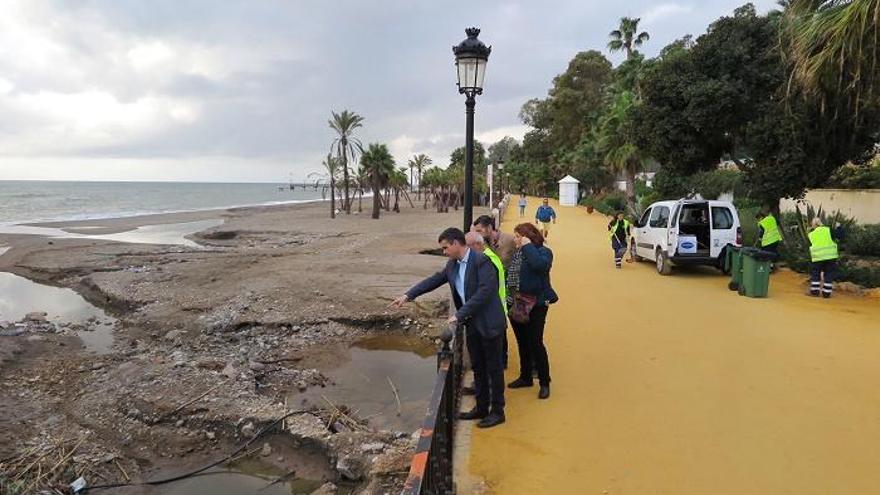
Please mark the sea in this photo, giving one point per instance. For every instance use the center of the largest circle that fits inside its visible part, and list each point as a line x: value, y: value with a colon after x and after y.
x: 41, y: 201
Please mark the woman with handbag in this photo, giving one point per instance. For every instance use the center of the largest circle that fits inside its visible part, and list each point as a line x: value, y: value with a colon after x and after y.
x: 529, y: 296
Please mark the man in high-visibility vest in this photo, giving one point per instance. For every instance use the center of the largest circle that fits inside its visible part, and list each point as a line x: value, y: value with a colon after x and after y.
x: 618, y: 231
x: 823, y: 257
x: 768, y: 232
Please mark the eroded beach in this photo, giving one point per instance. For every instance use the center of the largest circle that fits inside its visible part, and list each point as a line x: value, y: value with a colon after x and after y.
x: 270, y: 311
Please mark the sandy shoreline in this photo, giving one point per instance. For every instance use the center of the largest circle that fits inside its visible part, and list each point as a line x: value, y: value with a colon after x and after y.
x: 254, y: 306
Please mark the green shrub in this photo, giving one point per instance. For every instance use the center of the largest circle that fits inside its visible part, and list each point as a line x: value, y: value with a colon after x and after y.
x: 863, y: 240
x: 749, y: 224
x: 865, y: 176
x: 861, y: 272
x: 606, y: 203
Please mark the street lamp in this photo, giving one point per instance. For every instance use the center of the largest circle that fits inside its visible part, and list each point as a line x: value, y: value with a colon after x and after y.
x: 501, y: 178
x: 471, y: 56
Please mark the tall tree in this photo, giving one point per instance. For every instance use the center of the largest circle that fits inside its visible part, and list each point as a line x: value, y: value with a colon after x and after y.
x: 617, y: 143
x: 345, y: 144
x: 378, y: 165
x: 833, y: 50
x: 331, y: 174
x: 624, y: 38
x: 420, y: 162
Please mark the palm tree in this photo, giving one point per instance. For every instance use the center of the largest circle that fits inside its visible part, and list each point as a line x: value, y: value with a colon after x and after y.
x: 833, y: 49
x: 331, y: 173
x: 420, y: 162
x: 378, y: 164
x: 397, y: 182
x: 624, y: 37
x: 615, y: 141
x: 345, y: 144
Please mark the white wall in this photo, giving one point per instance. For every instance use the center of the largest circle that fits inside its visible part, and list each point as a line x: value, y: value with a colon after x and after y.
x: 861, y: 204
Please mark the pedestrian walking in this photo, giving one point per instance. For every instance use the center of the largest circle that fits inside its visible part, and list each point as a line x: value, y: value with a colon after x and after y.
x: 543, y: 215
x: 501, y: 243
x: 529, y: 297
x: 823, y: 257
x: 473, y: 281
x: 522, y: 205
x: 618, y: 231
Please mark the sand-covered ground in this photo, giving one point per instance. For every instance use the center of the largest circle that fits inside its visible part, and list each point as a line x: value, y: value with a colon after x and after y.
x: 244, y: 317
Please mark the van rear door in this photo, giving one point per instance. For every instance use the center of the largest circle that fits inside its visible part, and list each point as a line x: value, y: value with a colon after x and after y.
x: 723, y: 228
x: 672, y: 235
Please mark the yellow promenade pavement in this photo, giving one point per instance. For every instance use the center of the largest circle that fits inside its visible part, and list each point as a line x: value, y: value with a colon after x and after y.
x: 675, y: 385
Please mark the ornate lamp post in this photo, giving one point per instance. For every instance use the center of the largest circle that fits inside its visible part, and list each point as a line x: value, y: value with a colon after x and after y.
x: 471, y: 56
x: 501, y: 177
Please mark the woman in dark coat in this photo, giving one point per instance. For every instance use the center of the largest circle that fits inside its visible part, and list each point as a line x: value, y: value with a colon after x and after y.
x: 529, y: 296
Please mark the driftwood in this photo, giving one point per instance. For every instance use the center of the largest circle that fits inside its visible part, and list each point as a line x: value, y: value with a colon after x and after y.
x: 396, y: 395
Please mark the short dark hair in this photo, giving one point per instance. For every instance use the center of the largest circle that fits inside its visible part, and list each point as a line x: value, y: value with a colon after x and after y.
x: 485, y: 221
x: 451, y: 235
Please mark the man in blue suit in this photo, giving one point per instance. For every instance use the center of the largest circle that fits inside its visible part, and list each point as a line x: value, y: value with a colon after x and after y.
x: 473, y: 280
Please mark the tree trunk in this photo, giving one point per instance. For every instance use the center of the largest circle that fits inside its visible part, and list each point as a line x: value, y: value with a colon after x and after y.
x: 396, y: 200
x: 377, y: 199
x: 631, y: 191
x: 387, y: 199
x: 361, y: 200
x: 345, y: 175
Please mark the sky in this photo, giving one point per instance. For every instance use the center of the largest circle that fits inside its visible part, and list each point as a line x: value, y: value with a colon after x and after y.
x: 241, y: 91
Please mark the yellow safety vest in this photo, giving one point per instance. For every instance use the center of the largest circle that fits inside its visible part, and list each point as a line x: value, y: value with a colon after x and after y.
x: 822, y: 246
x: 614, y: 228
x: 771, y: 231
x: 502, y: 285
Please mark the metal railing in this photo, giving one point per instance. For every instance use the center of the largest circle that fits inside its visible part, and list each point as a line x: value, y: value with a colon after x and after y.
x: 431, y: 469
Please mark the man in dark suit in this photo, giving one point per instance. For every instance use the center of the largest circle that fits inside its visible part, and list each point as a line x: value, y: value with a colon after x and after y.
x: 473, y: 280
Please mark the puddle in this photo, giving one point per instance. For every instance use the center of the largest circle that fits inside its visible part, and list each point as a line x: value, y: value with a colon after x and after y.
x: 241, y: 477
x: 3, y: 250
x: 20, y: 296
x: 254, y: 475
x: 360, y: 381
x: 172, y: 233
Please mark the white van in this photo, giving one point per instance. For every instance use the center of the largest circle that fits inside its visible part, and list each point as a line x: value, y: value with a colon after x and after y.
x: 686, y: 232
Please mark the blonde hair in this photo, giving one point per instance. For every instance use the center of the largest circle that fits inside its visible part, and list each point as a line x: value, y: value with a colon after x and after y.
x: 817, y: 222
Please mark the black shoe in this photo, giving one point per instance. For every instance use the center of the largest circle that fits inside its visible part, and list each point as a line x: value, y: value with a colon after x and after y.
x: 468, y: 391
x: 473, y: 414
x: 544, y: 393
x: 813, y: 294
x: 826, y: 295
x: 493, y: 419
x: 519, y: 383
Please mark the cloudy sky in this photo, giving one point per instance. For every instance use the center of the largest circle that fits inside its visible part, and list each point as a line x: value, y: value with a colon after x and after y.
x: 242, y: 90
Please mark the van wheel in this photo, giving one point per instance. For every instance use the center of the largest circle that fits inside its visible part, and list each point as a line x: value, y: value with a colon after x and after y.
x: 664, y: 267
x: 632, y: 250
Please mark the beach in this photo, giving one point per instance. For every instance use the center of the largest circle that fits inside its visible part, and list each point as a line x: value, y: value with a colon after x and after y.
x: 211, y: 338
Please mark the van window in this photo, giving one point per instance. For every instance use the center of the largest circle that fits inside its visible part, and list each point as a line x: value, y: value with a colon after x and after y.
x: 722, y: 219
x: 675, y: 214
x: 644, y: 220
x: 660, y: 217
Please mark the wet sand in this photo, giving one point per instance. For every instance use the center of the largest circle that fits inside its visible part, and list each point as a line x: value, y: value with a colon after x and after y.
x: 241, y: 304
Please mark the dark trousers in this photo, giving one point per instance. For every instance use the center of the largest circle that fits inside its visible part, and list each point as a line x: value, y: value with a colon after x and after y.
x: 822, y: 275
x: 530, y: 340
x: 619, y: 248
x: 485, y: 357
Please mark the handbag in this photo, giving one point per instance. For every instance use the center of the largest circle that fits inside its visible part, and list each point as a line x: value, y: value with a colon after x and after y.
x: 522, y: 306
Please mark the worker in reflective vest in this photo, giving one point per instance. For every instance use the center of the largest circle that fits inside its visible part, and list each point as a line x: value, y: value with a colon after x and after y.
x: 618, y: 231
x: 768, y: 232
x: 823, y: 255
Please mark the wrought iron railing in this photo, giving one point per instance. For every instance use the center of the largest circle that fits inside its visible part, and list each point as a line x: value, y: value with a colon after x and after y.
x: 431, y: 469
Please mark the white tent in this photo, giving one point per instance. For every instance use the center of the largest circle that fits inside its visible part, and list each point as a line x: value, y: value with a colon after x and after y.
x: 568, y: 191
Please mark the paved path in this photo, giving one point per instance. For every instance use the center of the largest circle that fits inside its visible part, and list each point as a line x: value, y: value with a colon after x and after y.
x: 674, y: 385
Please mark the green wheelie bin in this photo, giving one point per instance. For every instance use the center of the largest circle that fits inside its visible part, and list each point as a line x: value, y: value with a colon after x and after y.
x: 733, y: 264
x: 755, y: 272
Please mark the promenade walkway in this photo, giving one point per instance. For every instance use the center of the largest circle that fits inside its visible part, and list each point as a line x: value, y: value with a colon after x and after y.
x: 674, y: 385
